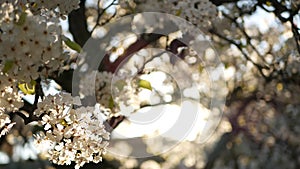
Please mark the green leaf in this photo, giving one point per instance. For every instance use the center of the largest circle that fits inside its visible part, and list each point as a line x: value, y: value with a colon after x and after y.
x: 111, y: 103
x: 201, y: 68
x: 145, y: 84
x: 268, y: 3
x: 227, y: 65
x: 27, y: 88
x: 178, y: 12
x: 7, y: 66
x: 71, y: 44
x: 22, y: 19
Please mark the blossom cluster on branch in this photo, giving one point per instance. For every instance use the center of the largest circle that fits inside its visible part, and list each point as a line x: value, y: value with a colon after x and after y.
x: 72, y: 134
x: 31, y: 46
x: 261, y: 66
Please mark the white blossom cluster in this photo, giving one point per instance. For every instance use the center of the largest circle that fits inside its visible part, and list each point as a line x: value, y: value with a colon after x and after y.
x: 5, y: 123
x: 73, y: 135
x: 56, y: 7
x: 30, y: 47
x: 115, y: 96
x: 198, y: 12
x: 126, y: 95
x: 19, y: 38
x: 10, y: 100
x: 59, y: 7
x: 20, y: 33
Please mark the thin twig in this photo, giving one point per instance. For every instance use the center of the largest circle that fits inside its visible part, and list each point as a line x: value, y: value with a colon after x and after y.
x: 101, y: 12
x: 248, y: 38
x: 259, y: 67
x: 296, y: 35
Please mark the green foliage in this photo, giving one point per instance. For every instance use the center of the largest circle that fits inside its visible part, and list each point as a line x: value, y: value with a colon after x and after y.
x: 73, y: 45
x: 145, y: 84
x: 27, y: 88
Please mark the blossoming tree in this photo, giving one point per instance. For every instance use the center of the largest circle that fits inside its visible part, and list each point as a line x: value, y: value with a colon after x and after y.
x: 73, y: 125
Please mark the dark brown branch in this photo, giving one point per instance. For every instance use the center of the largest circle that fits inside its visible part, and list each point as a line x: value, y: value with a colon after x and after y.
x: 141, y: 43
x: 279, y: 9
x: 64, y: 79
x: 221, y: 2
x: 30, y: 108
x: 113, y: 122
x: 78, y: 24
x: 296, y: 34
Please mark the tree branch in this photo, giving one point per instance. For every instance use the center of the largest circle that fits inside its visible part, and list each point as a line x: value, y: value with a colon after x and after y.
x: 78, y: 25
x: 221, y: 2
x: 231, y: 41
x: 30, y: 108
x: 142, y: 42
x: 100, y: 13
